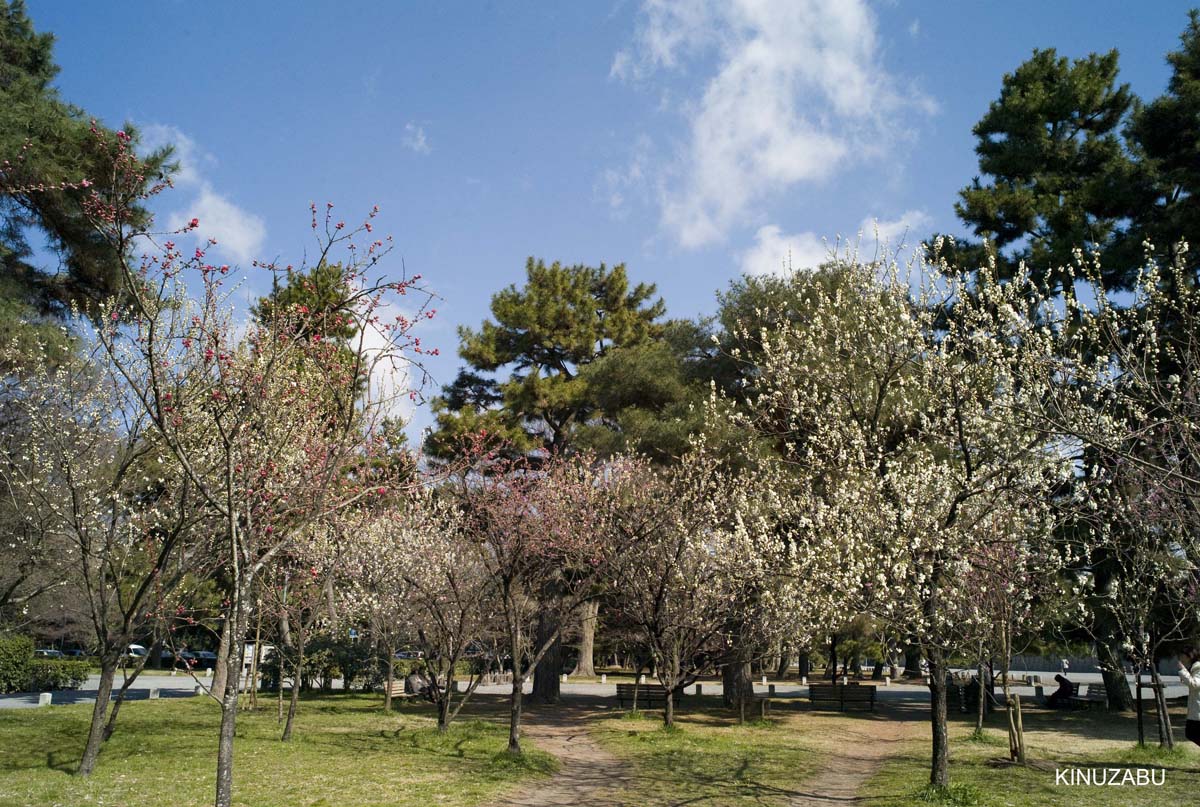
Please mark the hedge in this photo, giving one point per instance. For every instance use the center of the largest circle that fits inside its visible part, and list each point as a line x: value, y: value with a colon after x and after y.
x: 47, y: 674
x: 16, y: 663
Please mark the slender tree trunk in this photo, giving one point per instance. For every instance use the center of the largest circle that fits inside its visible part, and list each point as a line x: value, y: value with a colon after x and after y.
x: 444, y: 707
x: 803, y: 665
x: 514, y: 715
x: 257, y: 656
x: 939, y: 775
x: 221, y: 670
x: 108, y: 671
x: 1165, y: 737
x: 669, y: 709
x: 1140, y: 711
x: 295, y: 698
x: 391, y: 678
x: 981, y: 707
x: 589, y: 617
x: 229, y: 700
x: 111, y: 726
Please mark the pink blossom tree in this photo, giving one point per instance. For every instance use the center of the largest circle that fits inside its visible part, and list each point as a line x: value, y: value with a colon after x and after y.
x: 246, y: 414
x: 541, y: 536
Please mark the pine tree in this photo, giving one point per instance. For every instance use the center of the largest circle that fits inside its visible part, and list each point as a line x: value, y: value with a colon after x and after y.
x: 47, y: 149
x: 543, y: 335
x: 1058, y: 173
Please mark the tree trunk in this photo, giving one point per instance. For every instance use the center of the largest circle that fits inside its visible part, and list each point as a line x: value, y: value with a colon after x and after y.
x: 229, y: 699
x: 295, y: 698
x: 221, y: 669
x: 737, y: 683
x: 1140, y: 722
x: 912, y: 661
x: 391, y: 677
x: 981, y: 707
x: 1165, y: 738
x: 257, y: 656
x: 514, y: 715
x: 443, y: 723
x: 939, y: 775
x: 111, y: 726
x: 108, y: 671
x: 877, y: 671
x: 785, y: 662
x: 589, y: 617
x: 831, y: 668
x: 1116, y: 686
x: 546, y: 687
x: 803, y: 665
x: 669, y: 709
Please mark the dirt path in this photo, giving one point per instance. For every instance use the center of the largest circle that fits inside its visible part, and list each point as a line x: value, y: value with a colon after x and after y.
x: 863, y: 747
x: 589, y: 775
x: 592, y: 776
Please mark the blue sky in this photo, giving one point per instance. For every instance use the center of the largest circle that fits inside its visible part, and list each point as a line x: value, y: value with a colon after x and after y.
x: 691, y: 141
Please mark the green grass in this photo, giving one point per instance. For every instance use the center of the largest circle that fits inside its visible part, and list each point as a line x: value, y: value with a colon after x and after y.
x: 345, y: 752
x: 707, y: 759
x: 981, y: 776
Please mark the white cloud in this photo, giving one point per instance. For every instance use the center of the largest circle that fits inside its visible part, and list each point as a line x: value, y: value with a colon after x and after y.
x: 776, y: 252
x: 414, y: 138
x: 899, y: 233
x: 191, y: 159
x: 799, y: 93
x: 239, y: 233
x: 616, y: 185
x: 390, y: 373
x: 914, y: 29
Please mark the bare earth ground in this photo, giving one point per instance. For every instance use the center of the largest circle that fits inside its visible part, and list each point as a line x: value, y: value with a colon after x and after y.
x: 590, y: 775
x: 858, y: 750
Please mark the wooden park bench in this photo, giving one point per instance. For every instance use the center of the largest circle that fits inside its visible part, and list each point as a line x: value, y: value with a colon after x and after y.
x: 397, y: 690
x: 842, y: 698
x: 1082, y: 698
x: 643, y: 695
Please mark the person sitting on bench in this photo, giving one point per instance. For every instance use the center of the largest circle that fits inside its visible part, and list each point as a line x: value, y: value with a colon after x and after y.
x: 1061, y: 695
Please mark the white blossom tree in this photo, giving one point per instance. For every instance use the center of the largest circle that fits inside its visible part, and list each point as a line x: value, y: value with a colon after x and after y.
x: 89, y: 472
x: 893, y: 409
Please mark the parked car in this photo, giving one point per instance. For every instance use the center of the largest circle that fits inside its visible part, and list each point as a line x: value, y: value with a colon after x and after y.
x: 136, y: 651
x: 47, y: 652
x: 205, y: 659
x: 75, y: 654
x: 409, y: 654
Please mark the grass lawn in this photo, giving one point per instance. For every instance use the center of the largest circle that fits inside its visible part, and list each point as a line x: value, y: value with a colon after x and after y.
x: 708, y: 759
x: 345, y: 753
x: 980, y: 774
